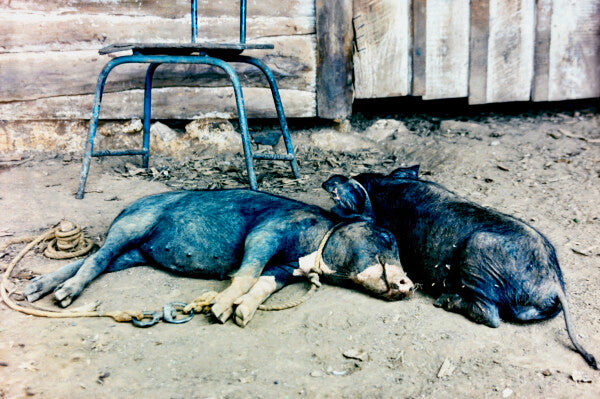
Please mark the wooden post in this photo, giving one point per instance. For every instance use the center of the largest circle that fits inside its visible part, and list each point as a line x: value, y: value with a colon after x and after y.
x: 334, y: 58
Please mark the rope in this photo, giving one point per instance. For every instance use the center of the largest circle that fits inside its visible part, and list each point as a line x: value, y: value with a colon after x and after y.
x: 314, y: 284
x: 69, y: 241
x: 58, y: 233
x: 313, y: 276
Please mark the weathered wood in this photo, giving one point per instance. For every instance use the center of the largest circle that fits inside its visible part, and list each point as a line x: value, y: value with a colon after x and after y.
x: 478, y: 51
x: 164, y: 8
x: 541, y: 62
x: 26, y: 76
x: 510, y: 50
x: 334, y: 58
x: 447, y: 55
x: 419, y: 54
x: 574, y: 50
x: 382, y: 62
x: 167, y: 103
x: 36, y: 32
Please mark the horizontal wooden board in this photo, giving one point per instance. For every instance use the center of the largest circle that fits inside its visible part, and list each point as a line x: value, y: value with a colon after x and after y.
x: 165, y: 8
x: 447, y: 53
x: 27, y: 76
x: 46, y: 32
x: 574, y: 70
x: 382, y: 62
x: 167, y: 103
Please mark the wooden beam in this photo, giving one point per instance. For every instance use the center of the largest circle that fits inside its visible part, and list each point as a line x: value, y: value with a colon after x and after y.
x: 32, y: 75
x: 167, y: 103
x: 167, y: 9
x: 22, y: 32
x: 334, y: 58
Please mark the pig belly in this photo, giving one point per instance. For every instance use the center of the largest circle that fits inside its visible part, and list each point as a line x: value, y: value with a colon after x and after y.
x: 194, y: 255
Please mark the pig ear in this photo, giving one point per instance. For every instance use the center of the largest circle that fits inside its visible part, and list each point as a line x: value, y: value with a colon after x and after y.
x: 350, y: 197
x: 412, y: 172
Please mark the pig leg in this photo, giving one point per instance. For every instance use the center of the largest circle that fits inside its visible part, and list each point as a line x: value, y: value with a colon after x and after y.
x: 122, y: 234
x: 41, y: 285
x: 479, y: 311
x: 259, y: 246
x: 271, y: 280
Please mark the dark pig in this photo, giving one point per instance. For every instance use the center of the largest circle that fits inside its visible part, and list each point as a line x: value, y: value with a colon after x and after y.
x: 476, y: 261
x: 264, y: 241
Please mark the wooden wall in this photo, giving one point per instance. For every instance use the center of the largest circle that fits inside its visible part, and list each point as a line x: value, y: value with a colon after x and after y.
x: 327, y: 53
x: 489, y: 51
x: 49, y: 60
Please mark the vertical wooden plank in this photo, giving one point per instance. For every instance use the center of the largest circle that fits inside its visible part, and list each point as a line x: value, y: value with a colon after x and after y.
x: 447, y: 42
x: 574, y: 50
x: 419, y: 54
x: 510, y: 50
x: 334, y: 58
x: 382, y: 48
x: 541, y: 59
x: 478, y: 51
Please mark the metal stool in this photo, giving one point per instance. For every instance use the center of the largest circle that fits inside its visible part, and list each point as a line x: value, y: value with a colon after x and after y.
x: 215, y: 54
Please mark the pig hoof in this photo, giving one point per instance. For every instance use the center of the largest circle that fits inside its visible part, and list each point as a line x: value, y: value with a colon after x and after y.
x: 64, y: 295
x: 36, y: 289
x: 244, y: 312
x: 447, y: 301
x: 221, y: 311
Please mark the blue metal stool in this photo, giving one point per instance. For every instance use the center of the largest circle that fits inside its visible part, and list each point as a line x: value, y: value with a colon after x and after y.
x: 215, y: 54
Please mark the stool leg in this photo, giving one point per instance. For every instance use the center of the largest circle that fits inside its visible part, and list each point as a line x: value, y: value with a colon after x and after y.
x: 89, y: 145
x: 278, y: 106
x: 147, y: 114
x: 239, y: 99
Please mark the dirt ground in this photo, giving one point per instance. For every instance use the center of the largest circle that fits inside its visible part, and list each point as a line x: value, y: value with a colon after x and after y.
x: 540, y: 165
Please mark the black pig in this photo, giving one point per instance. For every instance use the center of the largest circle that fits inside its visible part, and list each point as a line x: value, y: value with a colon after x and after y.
x: 476, y: 261
x: 263, y: 240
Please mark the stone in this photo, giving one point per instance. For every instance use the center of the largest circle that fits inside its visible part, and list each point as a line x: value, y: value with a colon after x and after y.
x: 216, y: 134
x: 472, y: 128
x: 384, y: 129
x: 335, y: 141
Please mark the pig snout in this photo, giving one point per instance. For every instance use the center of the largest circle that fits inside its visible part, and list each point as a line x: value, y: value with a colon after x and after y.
x: 387, y: 281
x: 399, y: 284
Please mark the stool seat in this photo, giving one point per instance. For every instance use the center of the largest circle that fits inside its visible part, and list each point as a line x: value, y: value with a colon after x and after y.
x: 214, y: 49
